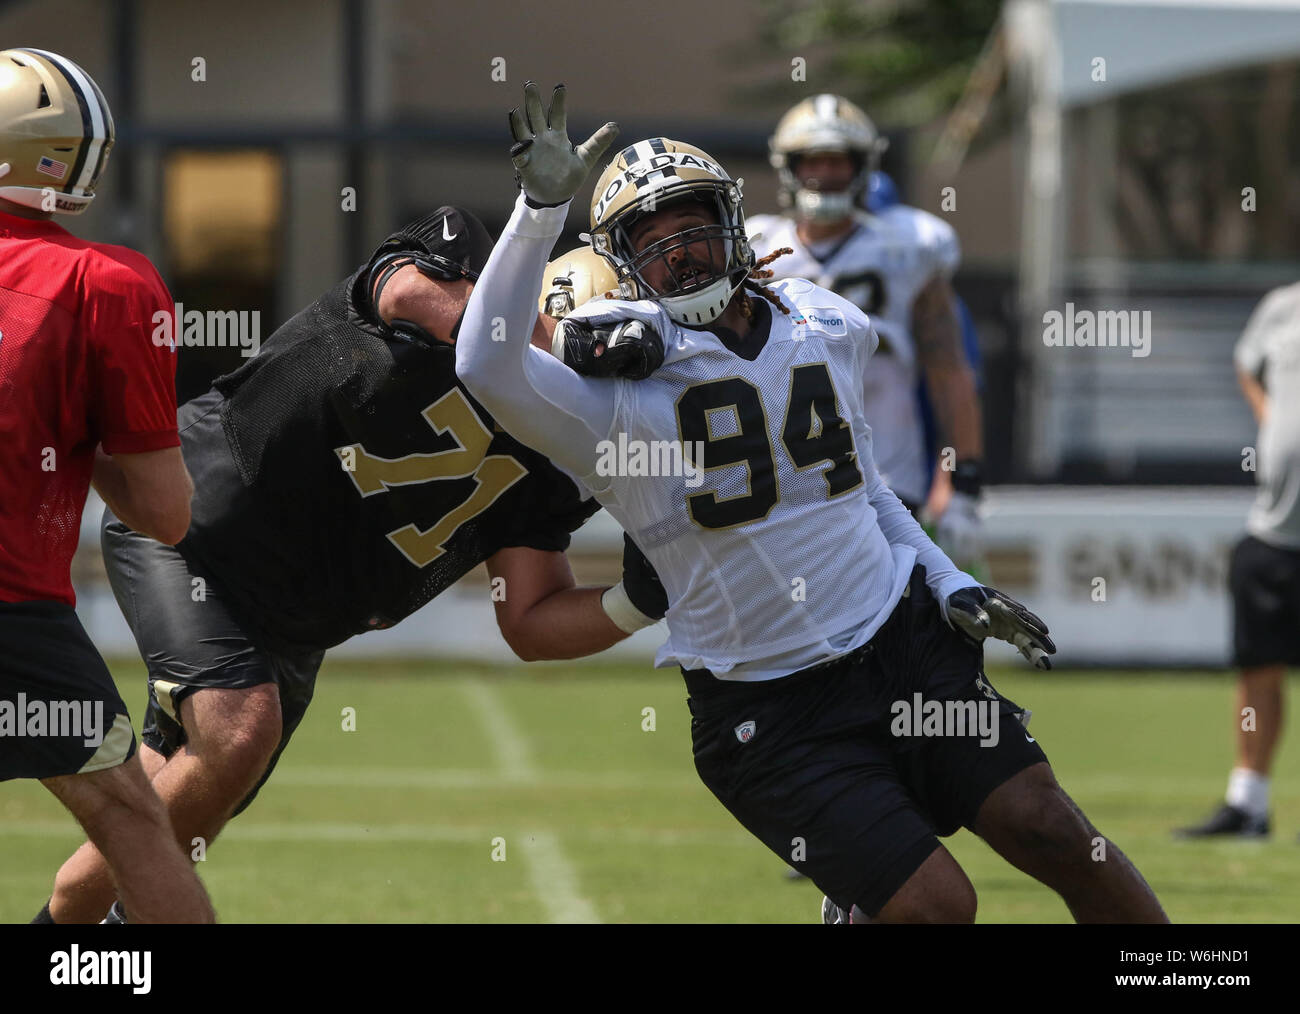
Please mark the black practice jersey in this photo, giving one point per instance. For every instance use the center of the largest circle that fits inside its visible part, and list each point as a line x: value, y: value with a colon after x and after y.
x: 344, y: 478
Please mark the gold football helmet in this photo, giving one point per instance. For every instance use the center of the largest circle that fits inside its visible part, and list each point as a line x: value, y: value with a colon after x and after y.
x: 820, y: 124
x: 55, y: 132
x: 574, y: 278
x: 646, y: 177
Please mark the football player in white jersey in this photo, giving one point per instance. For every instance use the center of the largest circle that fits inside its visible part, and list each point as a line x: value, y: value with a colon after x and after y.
x: 805, y: 604
x: 895, y: 265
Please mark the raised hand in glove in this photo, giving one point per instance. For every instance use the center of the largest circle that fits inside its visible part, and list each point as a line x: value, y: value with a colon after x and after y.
x: 626, y: 348
x: 550, y: 169
x: 981, y: 612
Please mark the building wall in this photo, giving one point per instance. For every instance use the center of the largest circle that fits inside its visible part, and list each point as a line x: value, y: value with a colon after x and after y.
x: 433, y: 128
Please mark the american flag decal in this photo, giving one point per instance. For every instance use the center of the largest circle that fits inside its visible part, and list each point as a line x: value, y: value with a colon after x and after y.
x: 52, y: 167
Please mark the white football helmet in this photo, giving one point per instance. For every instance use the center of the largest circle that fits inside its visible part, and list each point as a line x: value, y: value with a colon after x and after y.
x: 824, y: 123
x: 646, y: 177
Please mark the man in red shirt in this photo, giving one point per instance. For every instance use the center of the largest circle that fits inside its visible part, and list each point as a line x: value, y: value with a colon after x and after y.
x: 85, y: 394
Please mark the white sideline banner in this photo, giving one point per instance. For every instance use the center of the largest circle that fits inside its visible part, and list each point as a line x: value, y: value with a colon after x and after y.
x: 1122, y: 575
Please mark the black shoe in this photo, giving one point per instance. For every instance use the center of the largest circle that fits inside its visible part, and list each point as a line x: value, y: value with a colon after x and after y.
x: 833, y: 915
x: 1228, y: 820
x: 115, y: 917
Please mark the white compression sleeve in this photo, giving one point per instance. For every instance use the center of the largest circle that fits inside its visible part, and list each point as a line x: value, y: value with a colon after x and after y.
x: 535, y: 397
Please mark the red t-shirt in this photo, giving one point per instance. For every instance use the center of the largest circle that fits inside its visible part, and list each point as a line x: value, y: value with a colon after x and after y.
x: 78, y: 367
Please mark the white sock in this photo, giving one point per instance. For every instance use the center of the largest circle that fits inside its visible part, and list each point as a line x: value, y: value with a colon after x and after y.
x: 1248, y: 791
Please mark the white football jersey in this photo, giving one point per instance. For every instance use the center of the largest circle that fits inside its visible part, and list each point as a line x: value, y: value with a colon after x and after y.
x: 880, y: 267
x: 773, y: 550
x: 779, y: 546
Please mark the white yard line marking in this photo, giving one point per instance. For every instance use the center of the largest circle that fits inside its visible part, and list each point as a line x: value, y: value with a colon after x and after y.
x: 554, y: 880
x: 508, y: 744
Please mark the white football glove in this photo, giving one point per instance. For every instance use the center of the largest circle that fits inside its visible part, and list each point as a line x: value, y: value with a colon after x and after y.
x: 547, y: 166
x: 959, y: 531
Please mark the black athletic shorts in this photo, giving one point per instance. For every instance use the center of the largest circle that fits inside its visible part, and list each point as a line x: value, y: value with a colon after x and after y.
x: 60, y: 713
x: 190, y: 638
x: 1265, y: 583
x: 838, y: 769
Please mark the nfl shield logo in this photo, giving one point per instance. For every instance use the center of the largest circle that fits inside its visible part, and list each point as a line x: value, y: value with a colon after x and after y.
x: 745, y: 731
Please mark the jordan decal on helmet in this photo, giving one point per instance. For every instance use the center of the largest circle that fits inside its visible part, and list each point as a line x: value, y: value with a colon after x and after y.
x: 645, y: 178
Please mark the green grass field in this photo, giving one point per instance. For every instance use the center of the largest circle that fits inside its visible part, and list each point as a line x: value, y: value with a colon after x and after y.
x: 396, y: 821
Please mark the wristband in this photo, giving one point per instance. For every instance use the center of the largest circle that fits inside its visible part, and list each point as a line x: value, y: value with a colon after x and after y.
x: 538, y: 205
x: 621, y: 612
x: 968, y: 477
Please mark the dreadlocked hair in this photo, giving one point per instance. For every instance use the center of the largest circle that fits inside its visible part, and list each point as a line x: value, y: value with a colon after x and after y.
x: 751, y: 283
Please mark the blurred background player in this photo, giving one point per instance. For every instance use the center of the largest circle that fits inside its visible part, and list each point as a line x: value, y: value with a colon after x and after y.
x: 896, y: 264
x: 343, y: 479
x: 882, y: 193
x: 84, y: 394
x: 1265, y: 571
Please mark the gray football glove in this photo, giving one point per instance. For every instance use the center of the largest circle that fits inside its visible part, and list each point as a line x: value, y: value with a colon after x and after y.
x: 550, y: 169
x: 986, y: 612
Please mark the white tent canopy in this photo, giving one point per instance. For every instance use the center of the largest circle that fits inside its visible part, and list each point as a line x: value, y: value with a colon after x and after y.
x: 1051, y: 46
x: 1147, y: 43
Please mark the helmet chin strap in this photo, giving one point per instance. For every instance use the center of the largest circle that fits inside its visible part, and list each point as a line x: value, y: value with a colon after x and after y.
x: 703, y: 307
